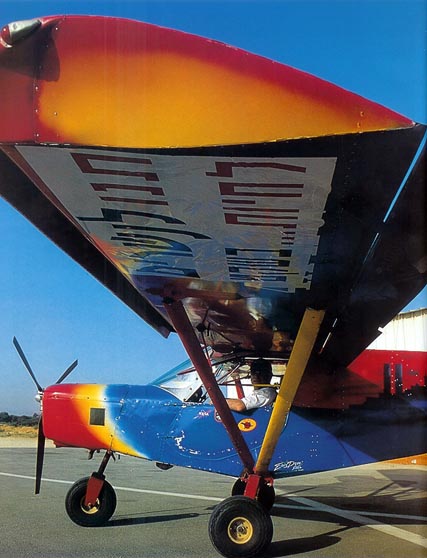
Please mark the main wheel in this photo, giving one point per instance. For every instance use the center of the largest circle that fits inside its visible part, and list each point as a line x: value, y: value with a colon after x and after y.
x: 240, y: 526
x: 93, y: 516
x: 266, y: 494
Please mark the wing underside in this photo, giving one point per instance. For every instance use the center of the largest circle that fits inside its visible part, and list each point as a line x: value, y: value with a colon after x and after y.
x: 247, y: 232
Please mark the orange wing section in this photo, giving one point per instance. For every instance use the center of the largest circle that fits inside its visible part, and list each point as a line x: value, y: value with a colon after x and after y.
x: 122, y: 83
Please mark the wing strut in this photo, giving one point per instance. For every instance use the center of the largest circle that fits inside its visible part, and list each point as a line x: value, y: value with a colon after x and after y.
x: 183, y: 327
x: 301, y: 351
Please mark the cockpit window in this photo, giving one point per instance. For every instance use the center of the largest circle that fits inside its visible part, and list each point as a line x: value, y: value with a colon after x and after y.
x: 184, y: 382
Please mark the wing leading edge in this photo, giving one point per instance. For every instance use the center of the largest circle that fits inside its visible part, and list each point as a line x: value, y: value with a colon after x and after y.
x: 247, y: 225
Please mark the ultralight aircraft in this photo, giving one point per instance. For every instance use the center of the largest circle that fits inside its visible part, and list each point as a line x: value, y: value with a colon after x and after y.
x: 253, y: 209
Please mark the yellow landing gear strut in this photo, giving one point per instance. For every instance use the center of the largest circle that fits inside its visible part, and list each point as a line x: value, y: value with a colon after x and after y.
x: 303, y: 346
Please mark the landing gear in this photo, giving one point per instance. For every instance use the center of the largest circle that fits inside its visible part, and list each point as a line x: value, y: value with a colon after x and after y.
x: 266, y: 494
x: 240, y: 526
x: 93, y: 515
x: 91, y: 501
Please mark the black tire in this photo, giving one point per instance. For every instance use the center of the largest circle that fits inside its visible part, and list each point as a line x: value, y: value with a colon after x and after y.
x: 96, y: 516
x: 240, y: 526
x: 266, y: 494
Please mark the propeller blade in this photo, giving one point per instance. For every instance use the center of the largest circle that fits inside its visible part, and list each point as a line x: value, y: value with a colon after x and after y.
x: 68, y: 371
x: 26, y: 363
x: 41, y: 439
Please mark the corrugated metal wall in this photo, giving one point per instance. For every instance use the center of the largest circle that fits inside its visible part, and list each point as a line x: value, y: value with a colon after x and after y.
x: 406, y: 332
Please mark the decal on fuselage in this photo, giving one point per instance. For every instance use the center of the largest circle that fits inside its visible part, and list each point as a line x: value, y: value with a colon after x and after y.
x: 243, y: 220
x: 247, y: 425
x: 289, y: 466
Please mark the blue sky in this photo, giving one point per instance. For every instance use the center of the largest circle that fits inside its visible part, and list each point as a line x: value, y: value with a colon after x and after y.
x: 57, y: 310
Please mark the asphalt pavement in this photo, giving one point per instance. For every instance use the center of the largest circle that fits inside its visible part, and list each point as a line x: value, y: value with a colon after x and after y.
x: 376, y: 511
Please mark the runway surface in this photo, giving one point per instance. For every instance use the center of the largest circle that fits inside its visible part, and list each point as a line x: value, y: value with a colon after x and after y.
x: 370, y: 511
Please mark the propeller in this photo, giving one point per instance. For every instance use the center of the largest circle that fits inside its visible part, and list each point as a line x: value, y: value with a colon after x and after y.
x: 67, y: 372
x: 41, y: 442
x: 27, y: 364
x: 41, y: 438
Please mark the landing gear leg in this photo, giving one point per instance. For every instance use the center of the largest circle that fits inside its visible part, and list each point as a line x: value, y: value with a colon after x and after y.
x: 91, y: 501
x: 241, y: 525
x: 264, y: 493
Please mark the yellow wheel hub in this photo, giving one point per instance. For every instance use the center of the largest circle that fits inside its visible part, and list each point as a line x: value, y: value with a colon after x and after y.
x: 240, y: 530
x: 89, y: 509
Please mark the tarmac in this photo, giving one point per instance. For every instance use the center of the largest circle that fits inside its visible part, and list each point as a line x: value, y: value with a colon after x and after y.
x: 370, y: 511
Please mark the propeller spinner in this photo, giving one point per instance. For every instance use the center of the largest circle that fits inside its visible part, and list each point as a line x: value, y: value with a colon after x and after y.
x: 41, y: 439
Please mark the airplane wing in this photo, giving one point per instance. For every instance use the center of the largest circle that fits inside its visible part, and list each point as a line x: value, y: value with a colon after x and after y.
x: 175, y: 167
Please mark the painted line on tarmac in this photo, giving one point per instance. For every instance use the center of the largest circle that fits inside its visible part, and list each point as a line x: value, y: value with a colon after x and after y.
x: 177, y: 494
x: 355, y: 517
x: 358, y: 512
x: 412, y: 517
x: 361, y: 520
x: 28, y: 477
x: 125, y: 488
